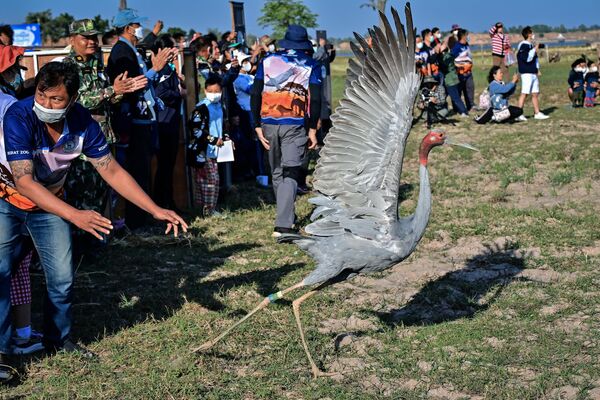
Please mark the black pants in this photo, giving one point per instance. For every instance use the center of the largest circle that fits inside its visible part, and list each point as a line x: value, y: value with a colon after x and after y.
x: 139, y: 156
x: 489, y: 113
x: 168, y: 144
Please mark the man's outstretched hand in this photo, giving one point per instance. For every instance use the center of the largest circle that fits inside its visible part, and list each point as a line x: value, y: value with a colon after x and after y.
x: 92, y: 222
x: 173, y: 220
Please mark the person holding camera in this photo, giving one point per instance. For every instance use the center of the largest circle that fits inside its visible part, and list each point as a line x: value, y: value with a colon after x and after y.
x: 529, y: 68
x: 432, y: 101
x: 500, y: 111
x: 500, y: 46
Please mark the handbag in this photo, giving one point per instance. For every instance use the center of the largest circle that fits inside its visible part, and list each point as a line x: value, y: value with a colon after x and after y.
x: 501, y: 115
x: 484, y: 100
x: 509, y: 58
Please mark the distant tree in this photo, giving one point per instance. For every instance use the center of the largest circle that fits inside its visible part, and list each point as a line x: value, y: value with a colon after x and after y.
x: 376, y: 5
x: 175, y: 30
x: 191, y: 32
x: 216, y: 31
x: 279, y: 14
x: 44, y: 18
x: 52, y: 28
x: 100, y: 23
x: 562, y: 28
x: 61, y: 26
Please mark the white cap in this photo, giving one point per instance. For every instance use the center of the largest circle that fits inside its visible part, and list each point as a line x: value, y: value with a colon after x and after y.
x: 242, y: 57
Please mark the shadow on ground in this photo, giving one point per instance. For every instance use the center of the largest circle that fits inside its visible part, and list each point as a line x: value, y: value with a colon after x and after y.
x: 462, y: 293
x: 140, y: 278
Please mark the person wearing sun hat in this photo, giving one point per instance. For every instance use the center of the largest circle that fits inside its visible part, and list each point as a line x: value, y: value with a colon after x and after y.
x: 286, y: 97
x: 134, y: 118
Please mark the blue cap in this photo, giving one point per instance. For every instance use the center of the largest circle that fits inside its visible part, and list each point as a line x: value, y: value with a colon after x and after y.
x: 126, y: 17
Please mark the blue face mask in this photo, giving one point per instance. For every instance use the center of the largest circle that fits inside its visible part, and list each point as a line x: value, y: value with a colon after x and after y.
x: 172, y: 66
x: 17, y: 82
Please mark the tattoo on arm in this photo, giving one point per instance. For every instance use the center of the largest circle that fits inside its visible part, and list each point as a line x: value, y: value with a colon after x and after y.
x: 102, y: 162
x: 21, y: 168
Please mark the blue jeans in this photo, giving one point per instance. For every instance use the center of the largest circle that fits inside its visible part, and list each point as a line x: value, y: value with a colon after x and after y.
x: 51, y: 237
x: 457, y: 103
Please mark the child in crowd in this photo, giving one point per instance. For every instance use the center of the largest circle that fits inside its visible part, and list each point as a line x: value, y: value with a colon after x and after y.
x: 576, y: 82
x: 463, y: 60
x: 422, y: 57
x: 207, y: 131
x: 592, y: 86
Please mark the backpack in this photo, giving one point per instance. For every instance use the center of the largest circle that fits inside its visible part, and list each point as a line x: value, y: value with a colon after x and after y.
x: 485, y: 100
x: 196, y: 148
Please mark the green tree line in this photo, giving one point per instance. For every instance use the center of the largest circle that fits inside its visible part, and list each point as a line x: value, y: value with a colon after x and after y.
x: 543, y: 28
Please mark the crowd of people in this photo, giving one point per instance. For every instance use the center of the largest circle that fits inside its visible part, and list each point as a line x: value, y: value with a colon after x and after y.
x: 80, y: 139
x: 584, y: 84
x: 447, y: 66
x: 77, y: 143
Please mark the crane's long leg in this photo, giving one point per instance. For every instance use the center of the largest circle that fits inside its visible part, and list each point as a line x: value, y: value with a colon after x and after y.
x: 296, y: 306
x: 269, y: 299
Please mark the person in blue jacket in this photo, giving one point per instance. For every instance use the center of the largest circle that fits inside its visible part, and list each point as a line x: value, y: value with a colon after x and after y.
x: 592, y: 86
x: 500, y: 111
x: 576, y: 82
x: 169, y: 119
x: 529, y: 68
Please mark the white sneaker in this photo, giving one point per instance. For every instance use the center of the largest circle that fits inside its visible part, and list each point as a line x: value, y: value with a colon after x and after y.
x: 540, y: 115
x: 522, y: 118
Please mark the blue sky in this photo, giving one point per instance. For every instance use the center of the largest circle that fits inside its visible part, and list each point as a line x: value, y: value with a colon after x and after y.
x: 339, y: 17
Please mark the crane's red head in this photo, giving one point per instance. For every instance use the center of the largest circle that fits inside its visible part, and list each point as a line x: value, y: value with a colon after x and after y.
x: 431, y: 140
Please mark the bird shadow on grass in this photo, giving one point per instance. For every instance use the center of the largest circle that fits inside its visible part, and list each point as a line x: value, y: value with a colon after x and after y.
x: 462, y: 293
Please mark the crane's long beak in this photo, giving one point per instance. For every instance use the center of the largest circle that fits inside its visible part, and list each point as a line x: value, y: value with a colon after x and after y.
x: 465, y: 145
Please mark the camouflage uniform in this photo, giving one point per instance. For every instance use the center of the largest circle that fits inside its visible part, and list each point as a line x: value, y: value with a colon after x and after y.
x: 85, y: 189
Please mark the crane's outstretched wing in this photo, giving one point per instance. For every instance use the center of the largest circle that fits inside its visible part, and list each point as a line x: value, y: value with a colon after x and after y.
x: 358, y: 172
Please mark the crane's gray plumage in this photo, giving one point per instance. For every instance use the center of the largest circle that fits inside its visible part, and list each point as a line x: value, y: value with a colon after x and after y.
x: 355, y: 224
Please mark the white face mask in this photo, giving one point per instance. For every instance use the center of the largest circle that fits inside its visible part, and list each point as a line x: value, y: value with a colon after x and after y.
x: 49, y: 115
x: 594, y: 69
x: 438, y: 35
x: 420, y: 45
x: 139, y: 33
x: 220, y: 58
x: 247, y: 66
x: 455, y: 32
x: 532, y: 37
x: 213, y: 97
x: 271, y: 48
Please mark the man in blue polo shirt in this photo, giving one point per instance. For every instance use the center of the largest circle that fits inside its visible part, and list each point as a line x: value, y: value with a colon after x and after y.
x: 40, y: 136
x: 286, y: 96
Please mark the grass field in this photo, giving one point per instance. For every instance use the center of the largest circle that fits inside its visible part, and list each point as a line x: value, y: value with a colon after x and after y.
x: 500, y: 299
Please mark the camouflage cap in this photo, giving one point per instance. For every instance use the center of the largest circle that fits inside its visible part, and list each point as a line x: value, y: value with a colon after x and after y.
x: 83, y: 27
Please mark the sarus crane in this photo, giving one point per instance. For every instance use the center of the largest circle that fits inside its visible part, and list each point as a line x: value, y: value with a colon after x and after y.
x: 356, y: 227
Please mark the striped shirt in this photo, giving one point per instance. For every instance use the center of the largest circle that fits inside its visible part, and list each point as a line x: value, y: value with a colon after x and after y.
x: 500, y: 42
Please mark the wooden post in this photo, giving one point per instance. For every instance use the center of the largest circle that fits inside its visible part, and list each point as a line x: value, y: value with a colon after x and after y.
x: 189, y: 102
